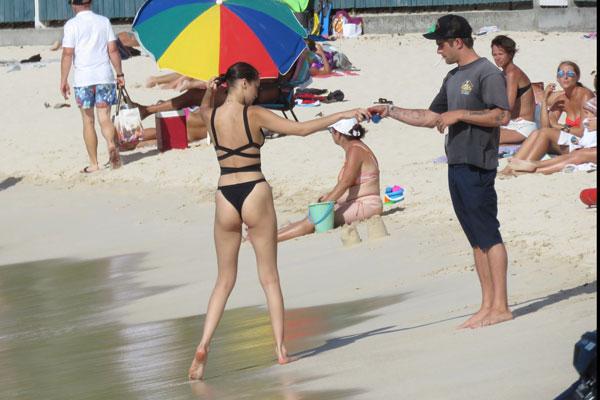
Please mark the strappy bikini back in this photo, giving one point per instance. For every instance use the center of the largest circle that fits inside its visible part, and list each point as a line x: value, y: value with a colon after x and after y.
x: 250, y: 150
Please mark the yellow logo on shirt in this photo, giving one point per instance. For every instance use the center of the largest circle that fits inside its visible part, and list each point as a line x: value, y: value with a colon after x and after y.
x: 466, y: 88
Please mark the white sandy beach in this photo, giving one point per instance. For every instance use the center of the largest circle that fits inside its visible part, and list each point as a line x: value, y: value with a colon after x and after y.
x: 160, y: 206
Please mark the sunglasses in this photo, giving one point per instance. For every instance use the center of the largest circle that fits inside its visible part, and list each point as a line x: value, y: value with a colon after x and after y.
x: 569, y: 74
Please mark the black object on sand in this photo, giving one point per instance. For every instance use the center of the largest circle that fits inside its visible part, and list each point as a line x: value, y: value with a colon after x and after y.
x: 32, y: 59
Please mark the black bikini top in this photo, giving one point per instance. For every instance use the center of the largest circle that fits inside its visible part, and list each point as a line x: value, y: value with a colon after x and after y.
x: 239, y: 152
x: 523, y: 90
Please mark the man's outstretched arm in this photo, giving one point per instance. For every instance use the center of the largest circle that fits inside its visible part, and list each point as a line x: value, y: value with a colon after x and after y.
x: 421, y: 118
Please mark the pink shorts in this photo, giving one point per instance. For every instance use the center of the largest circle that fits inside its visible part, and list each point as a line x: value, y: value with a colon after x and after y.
x: 358, y: 209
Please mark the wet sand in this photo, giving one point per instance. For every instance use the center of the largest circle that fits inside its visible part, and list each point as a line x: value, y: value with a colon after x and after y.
x: 376, y: 320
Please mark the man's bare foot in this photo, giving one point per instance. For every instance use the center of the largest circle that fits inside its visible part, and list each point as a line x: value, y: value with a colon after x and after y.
x: 196, y: 372
x: 522, y: 165
x: 496, y: 316
x: 475, y: 320
x: 114, y: 157
x: 282, y: 356
x: 90, y: 169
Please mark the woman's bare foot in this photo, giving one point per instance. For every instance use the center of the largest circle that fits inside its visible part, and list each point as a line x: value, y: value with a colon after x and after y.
x: 282, y: 356
x: 522, y: 165
x: 475, y: 320
x: 507, y: 172
x: 196, y: 372
x: 497, y: 316
x: 183, y: 84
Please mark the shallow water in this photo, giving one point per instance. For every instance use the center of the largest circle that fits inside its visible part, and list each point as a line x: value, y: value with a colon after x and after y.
x: 59, y: 339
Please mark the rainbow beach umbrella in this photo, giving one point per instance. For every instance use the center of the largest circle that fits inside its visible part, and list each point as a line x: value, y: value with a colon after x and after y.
x: 203, y: 38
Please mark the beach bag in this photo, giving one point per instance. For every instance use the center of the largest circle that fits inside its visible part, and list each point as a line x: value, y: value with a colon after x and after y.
x: 352, y: 30
x: 127, y: 120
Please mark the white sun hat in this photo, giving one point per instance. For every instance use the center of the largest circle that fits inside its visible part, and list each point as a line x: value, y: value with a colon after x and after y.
x: 345, y: 127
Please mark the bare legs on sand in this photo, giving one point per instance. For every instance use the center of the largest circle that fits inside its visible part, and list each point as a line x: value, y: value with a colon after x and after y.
x: 491, y: 268
x: 259, y: 215
x: 555, y: 164
x: 91, y: 140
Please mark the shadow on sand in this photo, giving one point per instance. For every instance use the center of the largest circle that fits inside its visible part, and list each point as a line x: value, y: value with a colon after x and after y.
x: 137, y: 156
x: 9, y: 182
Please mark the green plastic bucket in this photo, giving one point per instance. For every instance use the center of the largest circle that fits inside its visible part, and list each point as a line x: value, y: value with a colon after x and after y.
x: 321, y: 215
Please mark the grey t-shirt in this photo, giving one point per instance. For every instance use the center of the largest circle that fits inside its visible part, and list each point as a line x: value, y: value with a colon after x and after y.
x: 475, y: 86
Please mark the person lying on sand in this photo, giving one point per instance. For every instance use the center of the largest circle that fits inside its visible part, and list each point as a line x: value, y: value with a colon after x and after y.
x: 270, y: 92
x: 356, y: 194
x: 195, y: 128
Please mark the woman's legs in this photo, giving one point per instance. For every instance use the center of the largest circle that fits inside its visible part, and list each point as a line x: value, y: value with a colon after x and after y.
x: 162, y: 79
x: 508, y: 136
x: 576, y: 157
x: 228, y: 235
x: 539, y: 143
x: 295, y: 229
x: 259, y: 215
x: 188, y: 99
x: 555, y: 164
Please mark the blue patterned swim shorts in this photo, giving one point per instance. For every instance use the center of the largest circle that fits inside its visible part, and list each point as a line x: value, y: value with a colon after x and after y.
x: 96, y: 95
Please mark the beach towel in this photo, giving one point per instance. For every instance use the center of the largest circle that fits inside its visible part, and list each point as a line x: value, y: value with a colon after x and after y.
x: 337, y: 73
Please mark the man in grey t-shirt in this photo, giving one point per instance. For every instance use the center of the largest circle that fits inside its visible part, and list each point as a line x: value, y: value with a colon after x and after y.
x: 472, y: 105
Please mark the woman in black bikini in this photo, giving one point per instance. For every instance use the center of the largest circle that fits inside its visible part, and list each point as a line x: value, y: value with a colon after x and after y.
x: 520, y: 93
x: 244, y: 197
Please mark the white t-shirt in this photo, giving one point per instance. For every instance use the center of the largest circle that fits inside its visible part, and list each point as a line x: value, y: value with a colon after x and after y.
x: 89, y: 34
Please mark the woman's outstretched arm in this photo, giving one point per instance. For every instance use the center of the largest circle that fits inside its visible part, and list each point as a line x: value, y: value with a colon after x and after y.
x: 267, y: 119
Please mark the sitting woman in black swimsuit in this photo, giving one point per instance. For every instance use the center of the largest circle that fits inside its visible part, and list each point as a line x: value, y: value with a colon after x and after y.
x: 244, y: 197
x: 520, y: 94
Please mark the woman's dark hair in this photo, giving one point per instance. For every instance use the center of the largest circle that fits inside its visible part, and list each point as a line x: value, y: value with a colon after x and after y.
x: 311, y: 45
x: 506, y: 44
x: 357, y: 129
x: 239, y: 71
x: 575, y: 68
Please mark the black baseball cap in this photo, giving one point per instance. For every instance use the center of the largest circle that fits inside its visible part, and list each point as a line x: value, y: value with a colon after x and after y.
x: 450, y: 27
x: 79, y: 2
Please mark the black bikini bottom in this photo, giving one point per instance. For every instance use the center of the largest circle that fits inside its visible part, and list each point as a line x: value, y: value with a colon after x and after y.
x: 237, y: 194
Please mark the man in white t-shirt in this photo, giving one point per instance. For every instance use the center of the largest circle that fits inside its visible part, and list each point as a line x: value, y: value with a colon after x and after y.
x: 89, y: 45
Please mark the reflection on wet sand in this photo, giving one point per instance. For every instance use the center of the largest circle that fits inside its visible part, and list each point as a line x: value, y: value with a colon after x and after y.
x: 58, y: 339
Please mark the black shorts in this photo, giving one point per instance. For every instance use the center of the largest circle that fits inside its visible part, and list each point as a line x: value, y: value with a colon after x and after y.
x: 475, y: 203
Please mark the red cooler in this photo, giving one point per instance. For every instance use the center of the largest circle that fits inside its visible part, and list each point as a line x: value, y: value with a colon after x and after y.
x: 171, y: 131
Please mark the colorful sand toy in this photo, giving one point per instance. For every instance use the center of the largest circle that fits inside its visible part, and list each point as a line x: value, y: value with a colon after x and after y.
x: 393, y: 195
